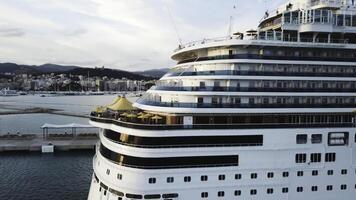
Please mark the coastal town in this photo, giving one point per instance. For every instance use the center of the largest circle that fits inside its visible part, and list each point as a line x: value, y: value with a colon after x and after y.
x: 68, y: 82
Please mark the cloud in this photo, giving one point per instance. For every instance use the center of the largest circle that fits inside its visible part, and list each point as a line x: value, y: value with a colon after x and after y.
x: 11, y: 32
x: 125, y: 34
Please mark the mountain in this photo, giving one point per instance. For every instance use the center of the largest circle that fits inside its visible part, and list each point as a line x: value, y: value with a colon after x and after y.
x: 17, y: 69
x: 33, y: 69
x: 75, y: 70
x: 154, y: 73
x: 52, y: 68
x: 110, y: 73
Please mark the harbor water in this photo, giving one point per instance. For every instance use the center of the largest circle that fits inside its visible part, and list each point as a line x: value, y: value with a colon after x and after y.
x: 36, y: 176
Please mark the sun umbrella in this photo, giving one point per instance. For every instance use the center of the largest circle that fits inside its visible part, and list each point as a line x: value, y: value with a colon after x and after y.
x: 124, y: 114
x: 156, y: 117
x: 131, y: 115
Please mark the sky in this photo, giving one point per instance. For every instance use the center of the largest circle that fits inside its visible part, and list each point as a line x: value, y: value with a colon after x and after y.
x: 131, y: 35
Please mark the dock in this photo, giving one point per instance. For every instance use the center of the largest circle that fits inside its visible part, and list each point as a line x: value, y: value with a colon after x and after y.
x: 35, y: 143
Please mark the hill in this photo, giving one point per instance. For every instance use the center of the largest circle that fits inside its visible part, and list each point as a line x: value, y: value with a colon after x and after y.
x: 110, y: 73
x: 154, y: 73
x: 14, y: 68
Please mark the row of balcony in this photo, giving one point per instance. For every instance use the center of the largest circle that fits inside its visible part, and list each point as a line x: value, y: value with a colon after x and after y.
x: 251, y: 89
x: 144, y: 126
x: 259, y: 73
x: 267, y: 57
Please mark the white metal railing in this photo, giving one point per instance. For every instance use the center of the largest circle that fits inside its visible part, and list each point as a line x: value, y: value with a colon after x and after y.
x: 328, y: 2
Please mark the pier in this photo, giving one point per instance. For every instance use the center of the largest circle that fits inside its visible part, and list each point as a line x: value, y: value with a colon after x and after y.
x: 35, y: 143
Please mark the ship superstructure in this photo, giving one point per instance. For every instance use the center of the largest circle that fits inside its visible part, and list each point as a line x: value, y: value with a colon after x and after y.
x: 265, y: 115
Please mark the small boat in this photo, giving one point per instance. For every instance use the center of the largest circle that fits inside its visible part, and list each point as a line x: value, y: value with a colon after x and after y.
x: 7, y: 92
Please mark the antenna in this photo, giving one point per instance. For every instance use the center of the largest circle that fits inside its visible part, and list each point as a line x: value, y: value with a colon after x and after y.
x: 173, y: 22
x: 231, y: 20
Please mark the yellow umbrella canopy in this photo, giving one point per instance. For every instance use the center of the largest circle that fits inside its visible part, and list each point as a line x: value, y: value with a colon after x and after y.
x: 124, y: 114
x: 122, y: 105
x: 156, y: 117
x: 147, y: 115
x: 131, y: 115
x: 115, y: 101
x: 143, y: 117
x: 99, y: 109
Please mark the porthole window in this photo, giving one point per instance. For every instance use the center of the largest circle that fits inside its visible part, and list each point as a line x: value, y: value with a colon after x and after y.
x: 344, y: 171
x: 270, y: 175
x: 343, y: 187
x: 238, y: 176
x: 253, y: 192
x: 315, y: 173
x: 285, y: 190
x: 204, y: 195
x: 314, y: 188
x: 300, y: 173
x: 270, y: 191
x: 221, y: 177
x: 204, y: 178
x: 237, y: 192
x: 253, y: 175
x: 299, y: 189
x: 329, y: 187
x: 119, y: 176
x: 152, y: 180
x: 221, y: 193
x: 170, y: 179
x: 285, y: 174
x: 187, y: 179
x: 330, y: 172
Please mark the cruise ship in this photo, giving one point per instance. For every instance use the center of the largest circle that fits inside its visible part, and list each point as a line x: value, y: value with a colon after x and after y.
x: 263, y: 115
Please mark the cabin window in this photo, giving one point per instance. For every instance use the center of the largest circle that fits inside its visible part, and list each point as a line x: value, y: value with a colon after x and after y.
x: 338, y: 139
x: 315, y: 157
x: 316, y: 138
x: 330, y: 157
x: 300, y: 158
x: 302, y: 139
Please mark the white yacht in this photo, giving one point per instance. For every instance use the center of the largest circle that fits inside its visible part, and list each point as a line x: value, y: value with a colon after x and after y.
x: 268, y: 116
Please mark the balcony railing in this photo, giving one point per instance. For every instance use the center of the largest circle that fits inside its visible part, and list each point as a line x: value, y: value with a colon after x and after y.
x: 246, y: 105
x: 251, y: 89
x: 268, y: 57
x: 260, y: 73
x: 144, y: 126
